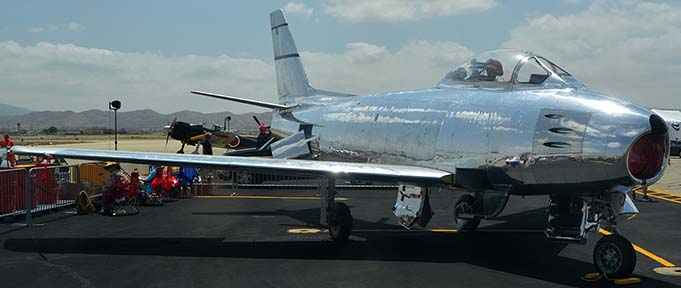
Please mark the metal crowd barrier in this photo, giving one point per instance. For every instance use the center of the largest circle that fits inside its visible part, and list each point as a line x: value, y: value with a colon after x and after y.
x: 41, y: 189
x: 220, y: 182
x: 13, y: 184
x: 38, y: 190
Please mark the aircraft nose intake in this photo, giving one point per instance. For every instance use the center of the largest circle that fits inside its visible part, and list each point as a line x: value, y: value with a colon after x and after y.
x: 646, y: 156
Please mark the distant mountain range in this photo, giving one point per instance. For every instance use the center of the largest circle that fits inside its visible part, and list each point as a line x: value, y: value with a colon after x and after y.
x: 139, y: 120
x: 9, y: 110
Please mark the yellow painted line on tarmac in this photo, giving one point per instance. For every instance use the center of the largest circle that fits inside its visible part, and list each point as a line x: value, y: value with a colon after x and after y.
x: 637, y: 248
x: 266, y: 197
x: 315, y: 230
x: 660, y: 194
x: 443, y: 230
x: 645, y: 252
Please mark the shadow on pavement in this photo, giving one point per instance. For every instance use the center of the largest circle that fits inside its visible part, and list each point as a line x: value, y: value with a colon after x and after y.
x: 519, y: 253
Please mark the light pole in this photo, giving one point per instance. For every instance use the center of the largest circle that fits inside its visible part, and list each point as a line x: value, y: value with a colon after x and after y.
x: 115, y: 105
x: 225, y: 123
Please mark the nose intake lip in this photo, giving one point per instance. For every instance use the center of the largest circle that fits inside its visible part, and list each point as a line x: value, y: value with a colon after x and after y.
x: 646, y: 156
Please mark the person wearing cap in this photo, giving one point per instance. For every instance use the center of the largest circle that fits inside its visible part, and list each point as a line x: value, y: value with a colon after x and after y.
x: 264, y: 135
x: 119, y: 183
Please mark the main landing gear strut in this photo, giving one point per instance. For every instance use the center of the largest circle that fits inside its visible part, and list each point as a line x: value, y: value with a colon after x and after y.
x: 412, y: 206
x: 335, y: 214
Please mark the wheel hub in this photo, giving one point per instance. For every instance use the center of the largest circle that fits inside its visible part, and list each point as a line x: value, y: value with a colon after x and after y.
x: 609, y: 258
x: 463, y: 207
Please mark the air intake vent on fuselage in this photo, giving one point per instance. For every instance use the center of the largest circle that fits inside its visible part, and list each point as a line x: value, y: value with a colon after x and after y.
x: 560, y: 131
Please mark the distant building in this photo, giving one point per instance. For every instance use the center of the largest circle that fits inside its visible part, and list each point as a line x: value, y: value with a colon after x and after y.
x: 98, y: 131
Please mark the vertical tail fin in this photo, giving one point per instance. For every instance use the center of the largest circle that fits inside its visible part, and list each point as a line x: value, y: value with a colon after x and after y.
x: 291, y: 78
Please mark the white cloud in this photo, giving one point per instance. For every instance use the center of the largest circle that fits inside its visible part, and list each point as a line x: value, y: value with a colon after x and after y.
x: 50, y: 76
x: 75, y: 27
x: 71, y: 26
x: 626, y: 49
x: 36, y: 29
x: 297, y: 7
x: 39, y: 29
x: 366, y: 68
x: 400, y: 10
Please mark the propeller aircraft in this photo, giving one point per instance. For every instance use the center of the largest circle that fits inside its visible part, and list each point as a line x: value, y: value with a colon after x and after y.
x: 196, y: 134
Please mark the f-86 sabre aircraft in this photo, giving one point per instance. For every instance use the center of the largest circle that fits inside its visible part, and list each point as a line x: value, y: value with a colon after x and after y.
x: 507, y: 122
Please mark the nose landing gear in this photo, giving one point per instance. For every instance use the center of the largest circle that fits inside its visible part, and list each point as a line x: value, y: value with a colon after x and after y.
x: 614, y: 256
x: 572, y: 219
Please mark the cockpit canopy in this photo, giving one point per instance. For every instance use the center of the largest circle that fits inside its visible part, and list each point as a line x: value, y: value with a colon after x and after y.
x: 500, y: 68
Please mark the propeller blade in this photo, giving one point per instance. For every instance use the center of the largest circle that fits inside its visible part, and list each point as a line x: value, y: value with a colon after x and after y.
x: 172, y: 125
x: 256, y: 120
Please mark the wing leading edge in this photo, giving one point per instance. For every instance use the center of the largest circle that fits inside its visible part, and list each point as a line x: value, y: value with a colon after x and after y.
x: 359, y: 171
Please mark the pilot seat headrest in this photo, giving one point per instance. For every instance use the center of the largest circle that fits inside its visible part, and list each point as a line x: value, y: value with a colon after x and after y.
x: 494, y: 68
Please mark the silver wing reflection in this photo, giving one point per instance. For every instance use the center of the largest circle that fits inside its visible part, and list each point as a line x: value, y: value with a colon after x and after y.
x: 345, y: 170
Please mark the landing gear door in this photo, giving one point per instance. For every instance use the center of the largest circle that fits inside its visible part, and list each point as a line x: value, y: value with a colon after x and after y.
x: 412, y: 206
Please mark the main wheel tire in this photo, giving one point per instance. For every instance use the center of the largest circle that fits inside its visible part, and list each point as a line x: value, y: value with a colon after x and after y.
x: 465, y: 205
x: 340, y: 222
x: 614, y: 256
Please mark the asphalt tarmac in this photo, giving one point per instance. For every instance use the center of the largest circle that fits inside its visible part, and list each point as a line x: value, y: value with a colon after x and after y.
x: 243, y: 242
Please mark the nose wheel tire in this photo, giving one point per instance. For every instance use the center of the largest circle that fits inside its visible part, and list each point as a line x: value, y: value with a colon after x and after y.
x: 614, y: 256
x: 465, y: 206
x: 340, y: 222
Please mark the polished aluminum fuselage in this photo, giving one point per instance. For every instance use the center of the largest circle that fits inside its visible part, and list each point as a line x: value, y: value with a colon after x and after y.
x: 538, y: 140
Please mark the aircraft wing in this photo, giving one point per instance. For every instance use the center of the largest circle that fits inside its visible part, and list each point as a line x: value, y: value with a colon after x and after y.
x: 345, y: 170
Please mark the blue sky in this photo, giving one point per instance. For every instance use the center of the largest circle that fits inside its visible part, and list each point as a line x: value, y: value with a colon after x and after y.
x: 242, y: 27
x: 73, y: 55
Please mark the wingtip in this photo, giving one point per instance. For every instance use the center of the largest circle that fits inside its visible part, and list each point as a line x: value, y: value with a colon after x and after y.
x: 449, y: 179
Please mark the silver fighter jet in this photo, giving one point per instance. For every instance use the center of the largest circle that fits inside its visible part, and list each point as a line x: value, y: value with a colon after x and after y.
x: 507, y: 122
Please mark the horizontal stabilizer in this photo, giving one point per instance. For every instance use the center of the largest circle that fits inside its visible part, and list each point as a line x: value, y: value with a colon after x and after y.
x: 243, y: 100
